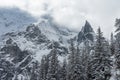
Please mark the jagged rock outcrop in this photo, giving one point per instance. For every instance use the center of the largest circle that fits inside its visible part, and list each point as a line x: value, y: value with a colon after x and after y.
x: 34, y: 34
x: 13, y: 61
x: 86, y: 33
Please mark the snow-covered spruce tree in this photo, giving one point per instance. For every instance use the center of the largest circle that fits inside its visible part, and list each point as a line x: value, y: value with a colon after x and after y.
x: 74, y: 64
x: 113, y: 51
x: 112, y: 45
x: 85, y: 60
x: 63, y: 71
x: 71, y: 62
x: 44, y: 67
x: 100, y: 66
x: 117, y: 36
x: 117, y: 24
x: 117, y: 42
x: 53, y: 69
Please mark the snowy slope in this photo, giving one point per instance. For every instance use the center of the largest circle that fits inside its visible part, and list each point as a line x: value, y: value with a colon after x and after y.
x: 39, y: 37
x: 52, y: 30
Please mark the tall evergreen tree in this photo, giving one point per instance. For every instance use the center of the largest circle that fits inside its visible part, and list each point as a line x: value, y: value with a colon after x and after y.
x: 71, y: 62
x: 117, y: 36
x: 44, y: 67
x: 117, y: 25
x: 101, y: 63
x: 53, y: 70
x: 85, y: 60
x: 63, y: 71
x: 113, y: 53
x: 117, y: 48
x: 74, y: 64
x: 112, y: 45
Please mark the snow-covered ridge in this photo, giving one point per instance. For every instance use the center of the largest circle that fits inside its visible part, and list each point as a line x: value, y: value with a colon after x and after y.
x: 52, y: 30
x: 40, y: 36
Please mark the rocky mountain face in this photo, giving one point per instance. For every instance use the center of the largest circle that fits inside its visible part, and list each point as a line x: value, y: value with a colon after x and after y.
x: 86, y: 33
x: 19, y: 49
x: 40, y: 37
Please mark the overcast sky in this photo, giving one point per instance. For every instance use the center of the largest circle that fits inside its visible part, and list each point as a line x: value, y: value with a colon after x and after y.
x: 73, y: 13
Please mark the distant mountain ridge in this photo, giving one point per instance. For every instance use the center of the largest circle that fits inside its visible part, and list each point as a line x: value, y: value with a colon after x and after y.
x: 40, y: 36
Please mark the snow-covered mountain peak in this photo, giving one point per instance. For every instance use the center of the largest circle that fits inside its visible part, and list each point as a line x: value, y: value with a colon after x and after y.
x: 87, y: 27
x: 86, y: 33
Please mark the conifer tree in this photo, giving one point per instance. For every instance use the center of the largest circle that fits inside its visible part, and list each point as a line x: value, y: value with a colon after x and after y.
x: 71, y: 61
x: 101, y: 63
x: 53, y: 70
x: 74, y: 64
x: 63, y: 71
x: 85, y: 60
x: 43, y: 68
x: 112, y: 45
x: 117, y: 48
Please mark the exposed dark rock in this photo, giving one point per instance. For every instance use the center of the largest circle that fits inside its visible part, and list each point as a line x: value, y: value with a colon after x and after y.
x: 34, y: 34
x: 86, y: 33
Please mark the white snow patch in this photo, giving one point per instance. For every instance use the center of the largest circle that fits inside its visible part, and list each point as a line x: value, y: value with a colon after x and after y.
x: 40, y: 53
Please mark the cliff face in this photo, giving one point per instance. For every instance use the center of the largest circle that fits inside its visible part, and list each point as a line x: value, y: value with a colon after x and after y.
x: 86, y: 33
